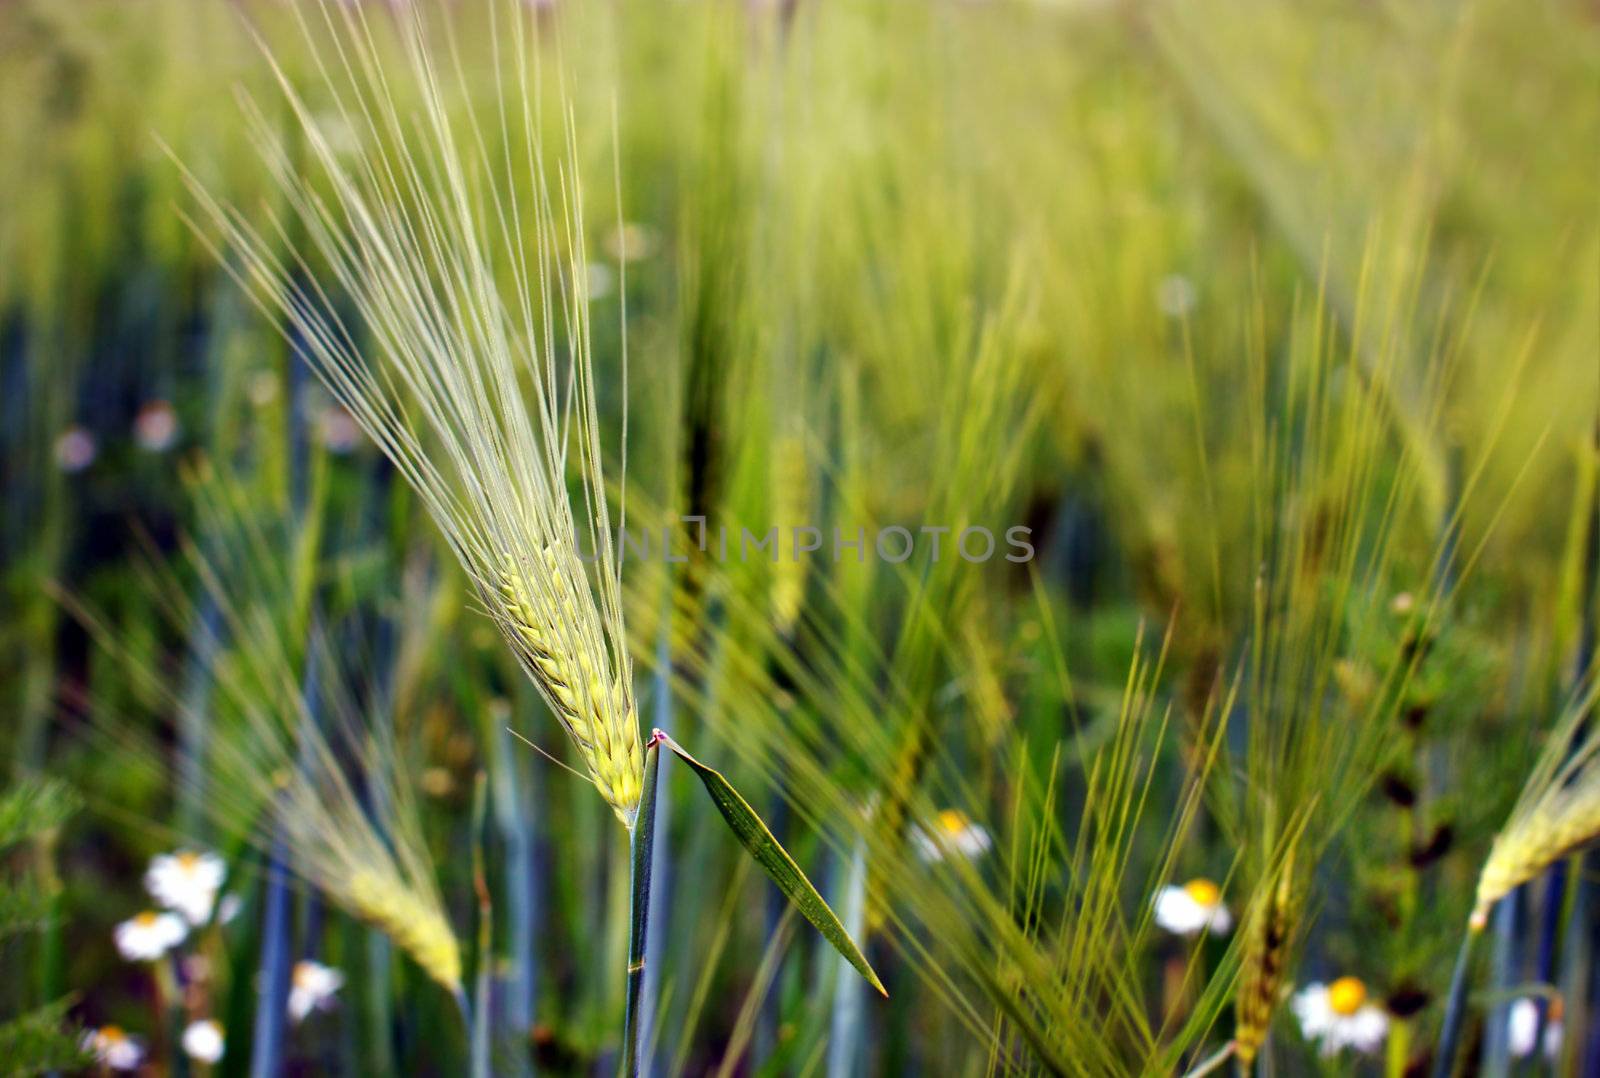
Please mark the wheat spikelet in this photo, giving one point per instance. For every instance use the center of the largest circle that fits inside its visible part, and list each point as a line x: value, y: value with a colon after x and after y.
x: 416, y: 926
x: 472, y: 292
x: 1266, y: 960
x: 596, y: 712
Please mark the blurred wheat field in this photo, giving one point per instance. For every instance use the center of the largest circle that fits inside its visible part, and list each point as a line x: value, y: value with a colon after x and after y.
x: 1114, y: 486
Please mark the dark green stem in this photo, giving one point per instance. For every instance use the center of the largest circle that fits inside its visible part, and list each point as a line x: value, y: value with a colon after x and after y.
x: 1455, y: 1011
x: 641, y: 845
x: 478, y: 1024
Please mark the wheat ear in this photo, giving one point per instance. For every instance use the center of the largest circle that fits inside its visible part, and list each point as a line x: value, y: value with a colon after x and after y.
x: 1266, y: 961
x: 1565, y: 818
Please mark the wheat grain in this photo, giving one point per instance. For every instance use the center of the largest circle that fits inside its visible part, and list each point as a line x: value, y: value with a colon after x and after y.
x: 591, y: 704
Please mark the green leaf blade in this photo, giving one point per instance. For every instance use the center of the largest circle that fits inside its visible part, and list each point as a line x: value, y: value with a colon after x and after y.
x: 775, y: 861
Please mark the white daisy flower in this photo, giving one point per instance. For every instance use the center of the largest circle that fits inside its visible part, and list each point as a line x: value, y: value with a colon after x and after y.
x: 155, y: 428
x: 150, y: 935
x: 203, y: 1040
x: 1338, y: 1016
x: 312, y: 987
x: 631, y: 242
x: 600, y: 280
x: 113, y: 1048
x: 1193, y: 908
x: 954, y: 832
x: 1176, y: 295
x: 1523, y: 1026
x: 187, y: 882
x: 337, y: 132
x: 75, y: 450
x: 338, y: 430
x: 262, y: 388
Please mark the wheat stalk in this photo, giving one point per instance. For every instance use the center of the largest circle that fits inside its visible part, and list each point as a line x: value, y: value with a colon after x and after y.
x: 471, y: 310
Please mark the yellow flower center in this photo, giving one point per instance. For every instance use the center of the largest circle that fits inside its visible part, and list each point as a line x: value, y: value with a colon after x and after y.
x: 1346, y: 995
x: 1203, y: 891
x: 188, y: 861
x: 953, y: 821
x: 303, y: 974
x: 146, y: 919
x: 111, y: 1035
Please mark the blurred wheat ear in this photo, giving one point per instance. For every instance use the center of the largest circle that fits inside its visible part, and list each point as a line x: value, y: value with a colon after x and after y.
x: 271, y: 773
x: 1557, y: 814
x: 1271, y: 929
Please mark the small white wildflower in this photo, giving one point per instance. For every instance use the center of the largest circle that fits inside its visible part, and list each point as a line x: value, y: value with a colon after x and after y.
x: 262, y: 389
x: 228, y: 908
x: 113, y: 1048
x: 149, y: 935
x: 1523, y: 1025
x: 203, y: 1040
x: 631, y: 242
x: 1338, y: 1016
x: 1402, y: 604
x: 312, y: 987
x: 75, y: 450
x: 1176, y: 295
x: 955, y: 832
x: 1193, y: 908
x: 338, y: 430
x: 187, y: 882
x: 336, y: 131
x: 155, y: 428
x: 600, y: 280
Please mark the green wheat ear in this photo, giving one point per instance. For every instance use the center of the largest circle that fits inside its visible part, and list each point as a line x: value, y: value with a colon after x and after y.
x: 477, y: 380
x: 593, y: 706
x: 1559, y: 808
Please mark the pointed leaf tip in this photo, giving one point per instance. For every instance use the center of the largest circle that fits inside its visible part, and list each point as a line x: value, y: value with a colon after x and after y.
x: 774, y: 860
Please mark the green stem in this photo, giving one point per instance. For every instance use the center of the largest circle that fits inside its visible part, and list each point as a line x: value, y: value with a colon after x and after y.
x: 479, y: 1023
x: 641, y: 845
x: 1455, y: 1011
x: 1398, y: 1052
